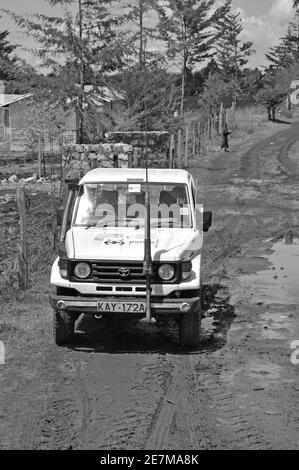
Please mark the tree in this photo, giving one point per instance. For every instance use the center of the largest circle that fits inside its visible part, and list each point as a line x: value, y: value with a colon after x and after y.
x: 275, y: 90
x: 287, y: 51
x: 251, y: 81
x: 45, y: 122
x: 78, y: 49
x: 232, y: 54
x: 7, y: 60
x: 25, y: 79
x: 187, y: 28
x: 151, y: 98
x: 216, y: 90
x: 18, y: 75
x: 138, y: 34
x: 271, y: 97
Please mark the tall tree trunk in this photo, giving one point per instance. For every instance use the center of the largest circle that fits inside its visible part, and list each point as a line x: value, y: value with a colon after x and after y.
x: 235, y: 71
x: 184, y: 68
x: 183, y: 87
x: 141, y: 48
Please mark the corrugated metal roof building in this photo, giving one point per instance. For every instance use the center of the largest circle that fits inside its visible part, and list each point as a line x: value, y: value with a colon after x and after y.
x: 13, y: 109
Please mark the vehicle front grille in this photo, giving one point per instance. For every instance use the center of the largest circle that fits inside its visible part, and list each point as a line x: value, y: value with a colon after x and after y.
x: 114, y: 272
x: 121, y: 272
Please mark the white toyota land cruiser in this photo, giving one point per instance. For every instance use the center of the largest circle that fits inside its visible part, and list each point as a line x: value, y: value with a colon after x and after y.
x: 103, y: 267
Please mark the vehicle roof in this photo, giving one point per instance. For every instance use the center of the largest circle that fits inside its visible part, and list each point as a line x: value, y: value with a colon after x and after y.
x: 116, y: 175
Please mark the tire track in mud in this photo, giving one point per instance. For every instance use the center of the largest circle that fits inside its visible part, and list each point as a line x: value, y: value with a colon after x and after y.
x: 234, y: 427
x: 23, y: 405
x: 53, y: 421
x: 24, y: 413
x: 183, y: 416
x: 118, y: 412
x: 174, y: 414
x: 226, y: 425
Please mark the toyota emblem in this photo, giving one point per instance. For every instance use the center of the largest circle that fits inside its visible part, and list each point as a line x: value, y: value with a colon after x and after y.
x: 124, y: 272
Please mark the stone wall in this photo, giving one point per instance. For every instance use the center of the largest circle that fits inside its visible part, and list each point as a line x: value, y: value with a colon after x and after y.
x: 157, y: 144
x: 83, y: 158
x: 122, y: 150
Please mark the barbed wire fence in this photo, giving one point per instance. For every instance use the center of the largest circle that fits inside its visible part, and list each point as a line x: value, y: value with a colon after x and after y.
x: 30, y: 233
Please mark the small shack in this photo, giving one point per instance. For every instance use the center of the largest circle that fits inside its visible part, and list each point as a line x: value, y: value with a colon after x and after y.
x: 13, y: 109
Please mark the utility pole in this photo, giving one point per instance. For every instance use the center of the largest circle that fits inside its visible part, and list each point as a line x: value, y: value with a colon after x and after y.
x: 81, y: 97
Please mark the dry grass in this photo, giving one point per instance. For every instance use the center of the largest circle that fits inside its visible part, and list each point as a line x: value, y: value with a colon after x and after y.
x: 243, y: 123
x: 247, y: 120
x: 25, y: 319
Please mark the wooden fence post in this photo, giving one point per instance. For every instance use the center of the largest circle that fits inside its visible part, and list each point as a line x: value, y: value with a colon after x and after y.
x: 39, y: 158
x: 171, y: 152
x: 206, y: 131
x: 194, y: 141
x: 220, y: 120
x: 198, y: 137
x: 179, y: 147
x: 233, y: 109
x: 186, y: 146
x: 23, y: 248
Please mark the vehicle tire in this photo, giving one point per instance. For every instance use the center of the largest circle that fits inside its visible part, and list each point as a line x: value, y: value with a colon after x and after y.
x: 189, y: 327
x: 64, y: 325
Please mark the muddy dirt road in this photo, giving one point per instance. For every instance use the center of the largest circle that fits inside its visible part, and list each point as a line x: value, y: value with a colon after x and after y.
x: 134, y: 387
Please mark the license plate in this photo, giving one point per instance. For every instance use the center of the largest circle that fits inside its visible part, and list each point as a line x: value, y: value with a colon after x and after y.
x: 121, y: 307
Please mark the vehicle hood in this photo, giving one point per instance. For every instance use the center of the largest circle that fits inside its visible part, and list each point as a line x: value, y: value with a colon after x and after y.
x: 128, y: 244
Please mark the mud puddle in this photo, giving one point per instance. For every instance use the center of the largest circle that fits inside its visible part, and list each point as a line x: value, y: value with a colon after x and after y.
x: 279, y: 283
x: 277, y: 325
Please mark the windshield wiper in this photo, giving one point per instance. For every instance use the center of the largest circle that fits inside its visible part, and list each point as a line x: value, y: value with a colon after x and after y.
x: 117, y: 223
x: 99, y: 223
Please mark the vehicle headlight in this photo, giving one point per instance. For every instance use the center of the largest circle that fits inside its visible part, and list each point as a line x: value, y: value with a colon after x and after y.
x: 166, y: 272
x: 82, y: 270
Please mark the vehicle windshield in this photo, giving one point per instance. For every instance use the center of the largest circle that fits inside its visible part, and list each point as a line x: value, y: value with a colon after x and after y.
x: 123, y: 205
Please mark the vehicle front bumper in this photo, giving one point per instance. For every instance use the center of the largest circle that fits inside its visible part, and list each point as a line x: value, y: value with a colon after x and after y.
x: 90, y: 305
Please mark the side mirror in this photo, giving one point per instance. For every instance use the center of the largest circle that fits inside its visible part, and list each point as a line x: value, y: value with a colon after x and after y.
x: 207, y: 221
x: 59, y: 217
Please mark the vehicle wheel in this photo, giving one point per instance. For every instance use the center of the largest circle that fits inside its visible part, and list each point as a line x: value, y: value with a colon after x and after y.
x: 64, y: 324
x: 189, y: 328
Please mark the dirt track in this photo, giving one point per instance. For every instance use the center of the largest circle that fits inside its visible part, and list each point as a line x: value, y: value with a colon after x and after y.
x: 135, y: 388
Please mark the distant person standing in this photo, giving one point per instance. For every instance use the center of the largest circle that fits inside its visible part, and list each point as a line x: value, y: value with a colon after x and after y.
x: 225, y: 133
